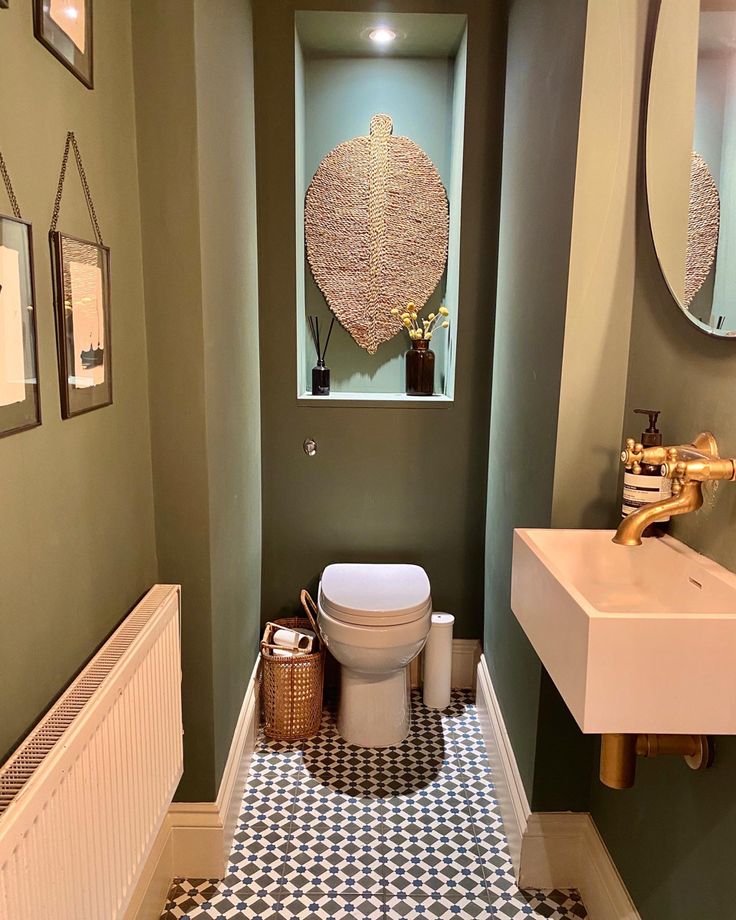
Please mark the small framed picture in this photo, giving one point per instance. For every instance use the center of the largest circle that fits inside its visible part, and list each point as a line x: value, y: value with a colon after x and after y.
x: 81, y: 273
x: 65, y: 28
x: 20, y: 406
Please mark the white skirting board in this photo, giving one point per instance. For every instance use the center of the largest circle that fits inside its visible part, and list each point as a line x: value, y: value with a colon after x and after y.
x: 196, y: 837
x: 548, y: 850
x: 465, y: 658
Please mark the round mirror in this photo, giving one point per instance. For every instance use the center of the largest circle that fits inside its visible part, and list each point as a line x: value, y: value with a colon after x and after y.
x: 691, y: 158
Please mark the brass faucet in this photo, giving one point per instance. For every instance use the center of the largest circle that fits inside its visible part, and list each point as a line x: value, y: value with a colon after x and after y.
x: 688, y: 466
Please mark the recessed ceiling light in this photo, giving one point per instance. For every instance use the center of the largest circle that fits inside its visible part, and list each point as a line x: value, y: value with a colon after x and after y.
x: 382, y: 36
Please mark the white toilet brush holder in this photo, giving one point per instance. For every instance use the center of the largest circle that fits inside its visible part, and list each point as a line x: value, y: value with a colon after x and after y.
x: 438, y: 662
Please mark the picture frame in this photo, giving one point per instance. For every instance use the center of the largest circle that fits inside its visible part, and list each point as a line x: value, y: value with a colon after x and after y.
x: 81, y: 278
x: 20, y: 401
x: 64, y: 27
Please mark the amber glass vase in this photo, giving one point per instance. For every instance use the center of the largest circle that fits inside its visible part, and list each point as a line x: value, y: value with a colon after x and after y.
x: 420, y: 369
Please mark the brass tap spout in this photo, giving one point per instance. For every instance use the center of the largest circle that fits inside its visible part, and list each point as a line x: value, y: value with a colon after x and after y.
x: 688, y: 466
x: 688, y: 498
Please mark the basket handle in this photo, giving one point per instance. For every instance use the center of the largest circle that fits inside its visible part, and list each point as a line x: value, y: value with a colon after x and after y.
x: 310, y: 608
x: 296, y: 653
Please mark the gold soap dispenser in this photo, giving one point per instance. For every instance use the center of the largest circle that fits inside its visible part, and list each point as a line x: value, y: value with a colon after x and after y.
x: 644, y: 482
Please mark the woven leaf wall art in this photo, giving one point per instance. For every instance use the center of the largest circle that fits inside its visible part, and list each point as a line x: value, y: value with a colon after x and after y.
x: 376, y: 228
x: 703, y: 227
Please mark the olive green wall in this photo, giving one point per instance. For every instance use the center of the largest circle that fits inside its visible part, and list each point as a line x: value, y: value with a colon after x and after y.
x: 227, y: 194
x: 673, y: 834
x: 166, y: 125
x: 76, y: 503
x: 389, y: 483
x: 194, y: 97
x: 543, y: 85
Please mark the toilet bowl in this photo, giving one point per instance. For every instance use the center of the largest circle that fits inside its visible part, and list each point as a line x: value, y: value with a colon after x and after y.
x: 375, y: 619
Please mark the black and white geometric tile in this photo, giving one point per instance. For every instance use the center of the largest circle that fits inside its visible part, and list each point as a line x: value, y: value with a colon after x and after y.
x: 330, y: 830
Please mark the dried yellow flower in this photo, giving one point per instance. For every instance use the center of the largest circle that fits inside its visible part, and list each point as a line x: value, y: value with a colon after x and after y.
x: 444, y: 311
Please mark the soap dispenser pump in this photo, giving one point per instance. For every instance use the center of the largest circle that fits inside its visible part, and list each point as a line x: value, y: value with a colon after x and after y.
x: 652, y: 436
x: 647, y: 484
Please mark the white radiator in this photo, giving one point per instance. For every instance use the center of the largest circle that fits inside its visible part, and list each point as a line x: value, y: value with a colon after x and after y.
x: 83, y: 797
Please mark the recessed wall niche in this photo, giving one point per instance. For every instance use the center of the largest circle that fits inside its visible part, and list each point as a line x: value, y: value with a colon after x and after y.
x: 342, y: 79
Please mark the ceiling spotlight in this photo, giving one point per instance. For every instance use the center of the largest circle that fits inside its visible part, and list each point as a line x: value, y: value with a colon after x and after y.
x: 382, y: 36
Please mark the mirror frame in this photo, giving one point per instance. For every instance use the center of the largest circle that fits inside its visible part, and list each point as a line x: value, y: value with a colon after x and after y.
x: 699, y: 324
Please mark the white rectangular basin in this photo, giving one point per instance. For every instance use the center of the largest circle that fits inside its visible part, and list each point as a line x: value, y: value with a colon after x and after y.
x: 636, y: 638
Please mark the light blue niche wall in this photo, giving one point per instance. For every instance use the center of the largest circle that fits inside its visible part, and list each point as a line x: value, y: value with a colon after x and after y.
x: 334, y: 103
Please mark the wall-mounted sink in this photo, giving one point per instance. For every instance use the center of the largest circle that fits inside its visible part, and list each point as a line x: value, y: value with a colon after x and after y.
x: 637, y: 639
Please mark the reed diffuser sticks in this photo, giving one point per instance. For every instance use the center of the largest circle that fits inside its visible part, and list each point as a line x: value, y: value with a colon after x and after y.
x: 314, y: 328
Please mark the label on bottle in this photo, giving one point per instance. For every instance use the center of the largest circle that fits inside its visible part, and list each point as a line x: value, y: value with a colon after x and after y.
x: 643, y: 490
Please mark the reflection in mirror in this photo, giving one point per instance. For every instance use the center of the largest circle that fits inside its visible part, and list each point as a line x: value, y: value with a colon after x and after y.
x: 82, y: 296
x: 691, y: 158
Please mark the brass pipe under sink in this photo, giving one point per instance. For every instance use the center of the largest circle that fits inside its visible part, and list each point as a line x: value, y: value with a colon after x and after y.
x: 618, y: 761
x: 619, y: 753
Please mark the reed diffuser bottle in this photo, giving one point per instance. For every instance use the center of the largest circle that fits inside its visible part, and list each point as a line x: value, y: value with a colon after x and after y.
x: 320, y: 373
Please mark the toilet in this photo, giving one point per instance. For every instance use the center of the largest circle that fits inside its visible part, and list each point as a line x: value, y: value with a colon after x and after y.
x: 375, y: 619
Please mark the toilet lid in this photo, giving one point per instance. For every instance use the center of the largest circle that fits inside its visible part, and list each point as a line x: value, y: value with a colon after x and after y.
x: 375, y: 594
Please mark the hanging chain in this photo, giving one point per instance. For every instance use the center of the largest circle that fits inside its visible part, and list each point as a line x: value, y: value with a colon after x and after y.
x: 60, y: 186
x: 9, y: 188
x: 71, y: 141
x: 87, y: 192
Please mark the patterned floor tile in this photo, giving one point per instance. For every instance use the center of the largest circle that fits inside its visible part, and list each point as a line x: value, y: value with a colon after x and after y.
x: 540, y: 905
x: 466, y: 907
x: 260, y: 857
x: 329, y: 829
x: 331, y: 907
x: 432, y: 856
x: 207, y: 899
x: 336, y: 855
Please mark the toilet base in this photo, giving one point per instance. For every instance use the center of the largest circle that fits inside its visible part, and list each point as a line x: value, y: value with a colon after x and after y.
x: 374, y: 710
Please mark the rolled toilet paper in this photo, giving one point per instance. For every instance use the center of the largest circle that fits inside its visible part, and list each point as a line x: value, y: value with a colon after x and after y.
x: 301, y: 640
x: 312, y: 644
x: 438, y: 662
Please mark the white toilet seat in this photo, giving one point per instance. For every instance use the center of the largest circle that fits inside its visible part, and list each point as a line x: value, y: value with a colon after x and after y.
x: 375, y: 595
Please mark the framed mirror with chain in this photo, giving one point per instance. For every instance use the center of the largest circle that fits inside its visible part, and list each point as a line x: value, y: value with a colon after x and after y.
x: 81, y: 276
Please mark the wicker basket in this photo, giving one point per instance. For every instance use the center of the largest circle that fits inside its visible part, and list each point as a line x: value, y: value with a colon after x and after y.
x: 291, y: 688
